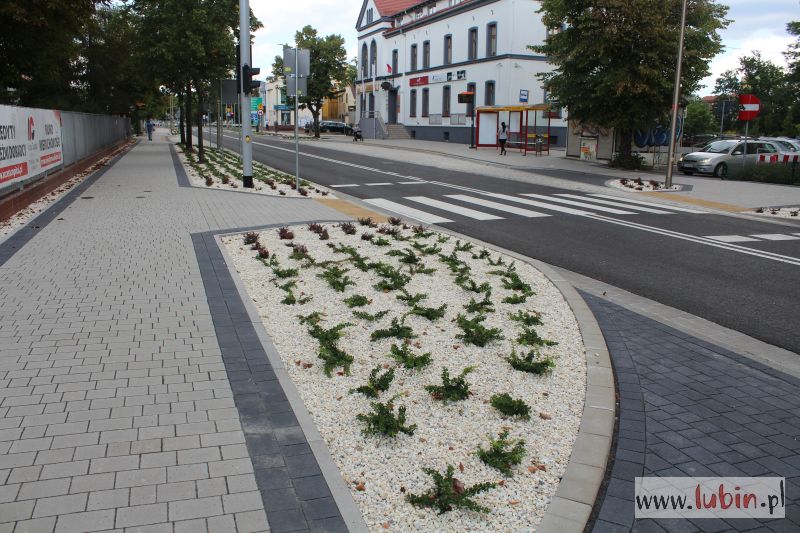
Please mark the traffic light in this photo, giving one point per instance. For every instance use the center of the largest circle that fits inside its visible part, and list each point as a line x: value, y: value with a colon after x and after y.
x: 248, y: 83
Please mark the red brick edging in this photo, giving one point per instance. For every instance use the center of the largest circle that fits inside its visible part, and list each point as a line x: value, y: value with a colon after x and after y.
x: 19, y: 200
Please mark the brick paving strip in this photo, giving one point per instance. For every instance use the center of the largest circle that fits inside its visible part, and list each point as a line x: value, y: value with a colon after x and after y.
x: 688, y: 407
x: 116, y: 412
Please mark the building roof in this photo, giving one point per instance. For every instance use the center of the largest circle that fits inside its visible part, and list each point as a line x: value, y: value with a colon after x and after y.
x: 387, y: 8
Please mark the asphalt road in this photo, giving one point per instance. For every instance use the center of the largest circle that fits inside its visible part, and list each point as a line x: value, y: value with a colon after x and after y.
x: 750, y: 286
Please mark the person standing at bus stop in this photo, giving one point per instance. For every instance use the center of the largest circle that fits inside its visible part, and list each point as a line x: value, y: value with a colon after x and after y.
x: 503, y: 138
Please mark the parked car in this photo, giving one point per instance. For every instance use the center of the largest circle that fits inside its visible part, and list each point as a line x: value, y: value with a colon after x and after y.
x: 786, y: 146
x: 326, y: 126
x: 715, y: 157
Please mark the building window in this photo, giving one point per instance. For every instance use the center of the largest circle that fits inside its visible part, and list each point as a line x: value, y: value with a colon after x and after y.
x: 472, y: 44
x: 413, y: 57
x: 431, y: 10
x: 373, y: 59
x: 448, y: 49
x: 488, y: 98
x: 446, y: 101
x: 418, y: 14
x: 424, y: 102
x: 491, y: 39
x: 371, y: 99
x: 471, y: 107
x: 412, y: 104
x: 369, y: 16
x: 364, y: 62
x: 394, y: 63
x: 426, y: 54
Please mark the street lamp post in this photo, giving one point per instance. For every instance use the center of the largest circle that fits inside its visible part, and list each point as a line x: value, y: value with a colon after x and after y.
x: 675, y: 97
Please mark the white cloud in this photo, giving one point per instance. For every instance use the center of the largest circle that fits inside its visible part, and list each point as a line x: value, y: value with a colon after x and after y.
x: 283, y: 18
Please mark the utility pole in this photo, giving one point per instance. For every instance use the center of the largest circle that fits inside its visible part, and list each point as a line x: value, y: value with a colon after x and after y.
x: 296, y: 109
x: 675, y: 98
x: 244, y: 100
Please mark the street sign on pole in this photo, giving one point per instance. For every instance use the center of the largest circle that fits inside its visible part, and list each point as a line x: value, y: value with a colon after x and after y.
x: 297, y: 68
x: 749, y: 107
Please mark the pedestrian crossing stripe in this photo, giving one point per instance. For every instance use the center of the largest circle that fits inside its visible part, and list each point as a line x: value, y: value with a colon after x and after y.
x: 640, y: 202
x: 756, y: 237
x: 545, y: 205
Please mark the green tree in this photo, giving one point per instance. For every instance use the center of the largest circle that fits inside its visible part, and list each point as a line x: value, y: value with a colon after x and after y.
x: 615, y: 59
x: 699, y: 119
x: 793, y: 59
x: 328, y: 69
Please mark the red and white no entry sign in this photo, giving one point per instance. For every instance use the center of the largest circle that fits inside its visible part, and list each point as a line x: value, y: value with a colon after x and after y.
x: 749, y: 106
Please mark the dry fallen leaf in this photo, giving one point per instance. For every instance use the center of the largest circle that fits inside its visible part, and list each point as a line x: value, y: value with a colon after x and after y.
x: 502, y: 482
x: 422, y: 439
x: 461, y: 467
x: 545, y: 416
x: 458, y: 486
x: 385, y: 525
x: 360, y: 487
x: 532, y: 469
x: 513, y: 502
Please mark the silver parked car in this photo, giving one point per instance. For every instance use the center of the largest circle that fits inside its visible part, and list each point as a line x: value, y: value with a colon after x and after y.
x: 715, y: 157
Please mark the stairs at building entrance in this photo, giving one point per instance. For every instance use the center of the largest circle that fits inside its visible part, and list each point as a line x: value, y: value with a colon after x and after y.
x: 397, y: 131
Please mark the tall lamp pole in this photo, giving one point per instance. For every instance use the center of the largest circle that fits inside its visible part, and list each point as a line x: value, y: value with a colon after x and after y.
x: 675, y: 98
x: 244, y: 101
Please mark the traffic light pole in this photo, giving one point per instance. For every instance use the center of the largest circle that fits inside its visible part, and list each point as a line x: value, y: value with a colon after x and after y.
x: 675, y: 99
x: 244, y: 101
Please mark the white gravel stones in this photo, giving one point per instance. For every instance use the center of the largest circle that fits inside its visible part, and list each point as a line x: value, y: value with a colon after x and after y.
x: 777, y: 212
x: 235, y: 183
x: 446, y: 433
x: 640, y: 185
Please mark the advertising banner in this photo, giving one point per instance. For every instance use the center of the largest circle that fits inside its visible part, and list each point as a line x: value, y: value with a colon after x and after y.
x: 30, y: 143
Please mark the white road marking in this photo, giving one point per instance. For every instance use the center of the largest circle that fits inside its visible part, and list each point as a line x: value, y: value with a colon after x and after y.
x: 582, y: 204
x: 651, y: 204
x: 776, y: 237
x: 345, y: 185
x: 378, y: 183
x: 444, y: 206
x: 406, y: 211
x: 542, y: 205
x: 410, y: 182
x: 617, y: 204
x: 496, y: 205
x: 731, y: 238
x: 626, y: 223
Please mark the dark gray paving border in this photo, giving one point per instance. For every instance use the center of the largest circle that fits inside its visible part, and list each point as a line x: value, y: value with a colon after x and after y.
x: 301, y: 487
x: 22, y: 235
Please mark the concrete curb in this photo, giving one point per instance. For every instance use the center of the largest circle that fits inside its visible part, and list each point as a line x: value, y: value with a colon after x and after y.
x: 571, y: 507
x: 348, y: 508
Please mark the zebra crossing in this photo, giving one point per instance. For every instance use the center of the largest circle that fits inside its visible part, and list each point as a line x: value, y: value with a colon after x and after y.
x: 487, y: 206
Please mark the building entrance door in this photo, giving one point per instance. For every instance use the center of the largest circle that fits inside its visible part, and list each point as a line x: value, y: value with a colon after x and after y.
x: 392, y: 103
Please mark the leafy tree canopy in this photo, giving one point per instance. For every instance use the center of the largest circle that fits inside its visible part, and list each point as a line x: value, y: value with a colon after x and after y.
x: 615, y: 59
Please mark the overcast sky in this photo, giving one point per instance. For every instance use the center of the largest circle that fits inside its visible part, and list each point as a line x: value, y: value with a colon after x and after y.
x: 756, y: 25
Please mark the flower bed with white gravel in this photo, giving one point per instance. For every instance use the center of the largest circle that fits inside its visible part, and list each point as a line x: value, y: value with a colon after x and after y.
x: 224, y: 171
x: 777, y: 212
x: 640, y: 185
x: 432, y: 274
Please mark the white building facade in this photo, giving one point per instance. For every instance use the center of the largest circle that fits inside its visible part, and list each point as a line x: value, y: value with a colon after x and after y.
x: 415, y: 57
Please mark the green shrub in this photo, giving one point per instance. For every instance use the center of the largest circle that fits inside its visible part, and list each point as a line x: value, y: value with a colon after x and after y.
x: 451, y: 389
x: 530, y: 363
x: 525, y: 318
x: 529, y: 337
x: 475, y: 332
x: 406, y: 256
x: 449, y: 492
x: 431, y: 313
x: 397, y: 329
x: 509, y: 406
x: 336, y: 278
x: 369, y: 317
x: 356, y: 300
x: 410, y: 300
x: 631, y: 162
x: 329, y: 352
x: 383, y: 421
x: 376, y: 383
x: 482, y: 307
x: 408, y: 359
x: 499, y: 455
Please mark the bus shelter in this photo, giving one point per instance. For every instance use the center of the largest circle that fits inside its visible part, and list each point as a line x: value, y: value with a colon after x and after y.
x: 528, y: 127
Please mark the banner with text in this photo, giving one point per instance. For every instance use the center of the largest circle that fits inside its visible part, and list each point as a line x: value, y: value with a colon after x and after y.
x: 30, y: 143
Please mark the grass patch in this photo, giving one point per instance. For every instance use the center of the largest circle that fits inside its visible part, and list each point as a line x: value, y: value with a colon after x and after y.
x: 510, y: 407
x: 475, y: 332
x: 452, y: 389
x: 503, y: 453
x: 449, y: 493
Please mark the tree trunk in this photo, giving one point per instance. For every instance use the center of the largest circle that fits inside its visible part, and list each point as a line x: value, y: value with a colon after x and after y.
x: 626, y: 138
x: 315, y: 115
x: 200, y: 152
x: 180, y: 123
x: 188, y: 118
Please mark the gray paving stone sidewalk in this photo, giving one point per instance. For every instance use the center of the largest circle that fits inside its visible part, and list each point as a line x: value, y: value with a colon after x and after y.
x: 116, y: 411
x: 690, y: 408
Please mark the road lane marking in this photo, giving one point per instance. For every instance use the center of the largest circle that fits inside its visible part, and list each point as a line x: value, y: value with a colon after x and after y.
x: 444, y: 206
x: 376, y: 183
x: 626, y: 223
x: 617, y: 204
x: 411, y: 182
x: 611, y: 210
x: 651, y: 204
x: 342, y: 186
x: 496, y: 205
x: 731, y: 238
x: 409, y: 212
x: 775, y: 237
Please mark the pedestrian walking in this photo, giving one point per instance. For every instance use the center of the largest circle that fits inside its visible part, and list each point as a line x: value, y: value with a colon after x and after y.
x: 149, y: 126
x: 503, y: 138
